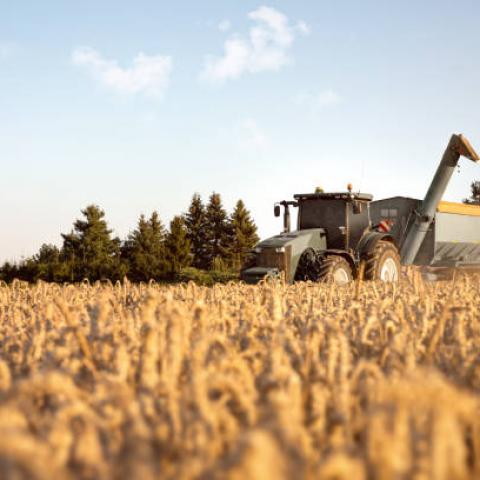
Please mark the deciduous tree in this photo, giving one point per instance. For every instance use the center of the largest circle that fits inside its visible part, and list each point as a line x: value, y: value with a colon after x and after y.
x: 48, y: 265
x: 474, y: 198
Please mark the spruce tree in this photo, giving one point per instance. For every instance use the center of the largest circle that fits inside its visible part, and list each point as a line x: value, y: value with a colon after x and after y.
x: 89, y: 249
x: 144, y: 249
x: 177, y: 246
x: 243, y: 233
x: 217, y: 232
x: 195, y: 223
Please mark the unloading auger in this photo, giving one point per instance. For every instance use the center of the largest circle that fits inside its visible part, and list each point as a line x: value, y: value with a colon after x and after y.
x: 457, y: 147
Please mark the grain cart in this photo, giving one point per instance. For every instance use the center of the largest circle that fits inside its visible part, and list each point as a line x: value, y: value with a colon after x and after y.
x: 338, y: 232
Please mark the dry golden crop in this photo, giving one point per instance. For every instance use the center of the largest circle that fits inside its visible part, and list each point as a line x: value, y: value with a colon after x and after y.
x: 368, y: 381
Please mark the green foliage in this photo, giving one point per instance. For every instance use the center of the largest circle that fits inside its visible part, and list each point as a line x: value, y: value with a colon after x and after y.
x: 243, y: 234
x: 9, y: 272
x: 217, y: 231
x: 220, y: 264
x: 474, y: 198
x: 144, y: 250
x: 177, y: 246
x: 90, y: 251
x: 47, y: 264
x: 195, y: 223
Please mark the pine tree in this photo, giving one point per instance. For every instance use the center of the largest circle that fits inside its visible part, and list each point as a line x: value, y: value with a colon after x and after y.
x: 217, y: 232
x: 177, y: 246
x: 90, y: 251
x: 144, y: 249
x: 243, y: 233
x: 195, y: 223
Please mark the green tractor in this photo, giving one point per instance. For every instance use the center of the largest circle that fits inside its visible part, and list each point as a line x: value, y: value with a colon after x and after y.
x: 334, y: 236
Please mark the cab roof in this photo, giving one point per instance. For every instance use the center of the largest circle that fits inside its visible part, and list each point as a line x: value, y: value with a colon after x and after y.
x: 366, y: 197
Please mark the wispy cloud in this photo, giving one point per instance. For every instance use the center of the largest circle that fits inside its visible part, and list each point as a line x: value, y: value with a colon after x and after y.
x: 225, y: 25
x: 251, y: 136
x: 316, y: 100
x: 265, y: 48
x: 149, y: 75
x: 304, y: 28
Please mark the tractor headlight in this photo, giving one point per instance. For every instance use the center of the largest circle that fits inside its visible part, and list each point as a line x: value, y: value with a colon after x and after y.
x: 280, y: 250
x: 258, y: 250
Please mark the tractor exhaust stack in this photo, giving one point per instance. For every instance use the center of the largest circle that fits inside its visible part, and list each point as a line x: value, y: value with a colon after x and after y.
x: 457, y: 147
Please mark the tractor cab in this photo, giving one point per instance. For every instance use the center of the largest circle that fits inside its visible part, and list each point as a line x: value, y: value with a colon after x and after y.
x: 342, y: 216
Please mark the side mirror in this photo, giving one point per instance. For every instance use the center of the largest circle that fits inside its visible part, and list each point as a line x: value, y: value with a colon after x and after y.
x: 276, y: 210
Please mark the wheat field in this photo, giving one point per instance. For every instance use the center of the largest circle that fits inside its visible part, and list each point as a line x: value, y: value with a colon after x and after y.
x: 367, y: 381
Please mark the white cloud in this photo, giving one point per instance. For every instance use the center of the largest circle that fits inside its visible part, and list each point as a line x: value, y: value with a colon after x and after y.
x: 315, y: 100
x: 225, y: 25
x: 251, y: 136
x: 266, y: 48
x: 149, y: 75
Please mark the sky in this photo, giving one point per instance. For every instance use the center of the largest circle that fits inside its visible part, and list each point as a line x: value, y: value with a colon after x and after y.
x: 135, y: 106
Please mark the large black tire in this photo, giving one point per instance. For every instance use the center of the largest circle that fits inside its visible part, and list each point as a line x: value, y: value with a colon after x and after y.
x: 382, y: 263
x: 336, y: 269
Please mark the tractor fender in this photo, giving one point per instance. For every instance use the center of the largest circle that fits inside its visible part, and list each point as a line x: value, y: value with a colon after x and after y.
x: 369, y: 241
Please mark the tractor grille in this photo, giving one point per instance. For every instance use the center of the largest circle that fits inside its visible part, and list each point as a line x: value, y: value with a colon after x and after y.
x: 271, y: 258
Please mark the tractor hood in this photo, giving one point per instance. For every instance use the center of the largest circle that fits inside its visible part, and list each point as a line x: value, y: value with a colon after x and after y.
x: 290, y: 245
x: 296, y: 237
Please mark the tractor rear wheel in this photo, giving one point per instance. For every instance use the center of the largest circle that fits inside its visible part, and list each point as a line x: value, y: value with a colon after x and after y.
x: 334, y: 268
x: 383, y: 263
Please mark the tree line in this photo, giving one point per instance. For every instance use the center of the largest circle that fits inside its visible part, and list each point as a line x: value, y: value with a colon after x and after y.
x: 205, y: 238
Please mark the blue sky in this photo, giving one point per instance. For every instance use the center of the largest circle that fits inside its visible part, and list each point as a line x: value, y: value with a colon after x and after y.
x: 136, y: 105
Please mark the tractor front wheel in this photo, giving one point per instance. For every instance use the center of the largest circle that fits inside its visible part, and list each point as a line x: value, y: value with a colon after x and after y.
x: 307, y: 268
x: 334, y: 268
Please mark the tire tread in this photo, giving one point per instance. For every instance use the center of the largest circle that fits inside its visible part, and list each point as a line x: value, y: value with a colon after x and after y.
x: 373, y: 258
x: 327, y: 267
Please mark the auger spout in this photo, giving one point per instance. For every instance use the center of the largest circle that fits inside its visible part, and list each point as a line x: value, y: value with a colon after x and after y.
x: 457, y: 147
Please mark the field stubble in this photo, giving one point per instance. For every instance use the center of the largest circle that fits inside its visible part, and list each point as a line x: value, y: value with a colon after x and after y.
x: 368, y: 381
